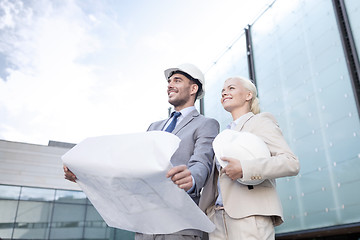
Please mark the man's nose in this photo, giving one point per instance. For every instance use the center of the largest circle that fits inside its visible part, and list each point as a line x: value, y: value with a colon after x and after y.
x: 170, y: 84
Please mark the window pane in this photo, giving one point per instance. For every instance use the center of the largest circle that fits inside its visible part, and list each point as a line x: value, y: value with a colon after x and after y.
x: 70, y: 196
x: 32, y: 220
x: 9, y: 192
x: 7, y: 217
x: 232, y: 63
x: 37, y: 194
x: 67, y: 221
x: 121, y: 234
x: 95, y: 226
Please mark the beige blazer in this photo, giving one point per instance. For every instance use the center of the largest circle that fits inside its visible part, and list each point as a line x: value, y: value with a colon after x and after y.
x: 240, y: 201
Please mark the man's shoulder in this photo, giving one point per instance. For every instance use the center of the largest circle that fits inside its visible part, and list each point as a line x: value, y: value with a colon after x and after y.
x: 207, y: 119
x: 206, y: 124
x: 158, y: 122
x: 156, y: 125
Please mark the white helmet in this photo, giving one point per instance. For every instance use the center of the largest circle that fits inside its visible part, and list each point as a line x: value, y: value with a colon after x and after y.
x: 193, y: 71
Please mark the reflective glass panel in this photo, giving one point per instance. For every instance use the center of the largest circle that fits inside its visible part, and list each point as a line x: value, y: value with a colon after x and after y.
x: 95, y: 226
x: 7, y: 217
x: 67, y: 221
x: 37, y: 194
x: 302, y: 78
x: 232, y: 63
x: 65, y: 196
x: 9, y: 192
x: 32, y: 220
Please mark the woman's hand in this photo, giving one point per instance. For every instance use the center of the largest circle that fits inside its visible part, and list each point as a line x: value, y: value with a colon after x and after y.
x: 234, y: 169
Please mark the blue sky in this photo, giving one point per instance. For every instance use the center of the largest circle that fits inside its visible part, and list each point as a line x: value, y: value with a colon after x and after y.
x: 76, y: 69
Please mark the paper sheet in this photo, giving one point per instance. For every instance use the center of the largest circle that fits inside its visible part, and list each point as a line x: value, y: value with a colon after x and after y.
x: 124, y: 177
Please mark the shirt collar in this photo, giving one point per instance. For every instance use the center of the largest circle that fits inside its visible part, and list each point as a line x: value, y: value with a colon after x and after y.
x: 186, y: 111
x: 233, y: 124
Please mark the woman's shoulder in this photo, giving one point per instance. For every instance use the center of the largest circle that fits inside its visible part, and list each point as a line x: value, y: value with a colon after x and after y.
x: 265, y: 117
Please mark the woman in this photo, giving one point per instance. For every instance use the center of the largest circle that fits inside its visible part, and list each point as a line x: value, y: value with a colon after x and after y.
x: 240, y: 211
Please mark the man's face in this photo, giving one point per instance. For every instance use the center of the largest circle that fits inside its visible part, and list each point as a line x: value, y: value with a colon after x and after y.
x: 180, y: 89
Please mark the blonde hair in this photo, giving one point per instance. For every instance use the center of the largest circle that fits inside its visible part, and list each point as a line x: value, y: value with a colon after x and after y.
x: 249, y: 85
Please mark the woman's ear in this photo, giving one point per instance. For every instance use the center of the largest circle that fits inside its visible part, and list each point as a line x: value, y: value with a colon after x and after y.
x: 249, y: 96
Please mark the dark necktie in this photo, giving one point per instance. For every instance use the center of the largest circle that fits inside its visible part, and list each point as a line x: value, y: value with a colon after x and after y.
x: 172, y: 125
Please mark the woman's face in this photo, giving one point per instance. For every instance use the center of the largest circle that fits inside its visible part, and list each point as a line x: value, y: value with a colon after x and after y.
x: 234, y: 96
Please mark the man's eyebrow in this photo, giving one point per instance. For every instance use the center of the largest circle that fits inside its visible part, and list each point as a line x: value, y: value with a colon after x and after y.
x: 176, y: 77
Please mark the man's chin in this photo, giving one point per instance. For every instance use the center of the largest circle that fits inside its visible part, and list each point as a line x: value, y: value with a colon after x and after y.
x: 173, y: 101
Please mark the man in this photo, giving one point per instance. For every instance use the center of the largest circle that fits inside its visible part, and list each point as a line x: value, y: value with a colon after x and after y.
x: 193, y: 159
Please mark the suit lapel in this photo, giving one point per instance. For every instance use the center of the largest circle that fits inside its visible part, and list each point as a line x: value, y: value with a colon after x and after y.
x: 186, y: 120
x: 163, y: 124
x: 243, y: 120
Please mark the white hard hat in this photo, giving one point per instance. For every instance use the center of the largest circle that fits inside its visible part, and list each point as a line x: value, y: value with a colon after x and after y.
x: 243, y: 146
x: 193, y: 71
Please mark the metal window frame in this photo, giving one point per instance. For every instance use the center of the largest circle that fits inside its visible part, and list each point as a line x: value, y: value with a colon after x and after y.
x: 250, y: 54
x: 349, y: 47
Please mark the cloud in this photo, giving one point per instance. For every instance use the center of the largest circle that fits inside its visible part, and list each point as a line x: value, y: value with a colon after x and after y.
x: 76, y: 69
x: 49, y: 89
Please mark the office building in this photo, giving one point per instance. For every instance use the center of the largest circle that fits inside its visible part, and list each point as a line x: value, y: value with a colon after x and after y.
x: 303, y: 56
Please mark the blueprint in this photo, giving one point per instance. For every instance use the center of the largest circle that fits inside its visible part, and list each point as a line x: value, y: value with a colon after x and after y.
x: 124, y: 177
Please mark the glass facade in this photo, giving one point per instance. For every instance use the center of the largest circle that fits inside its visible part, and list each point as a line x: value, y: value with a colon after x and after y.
x: 38, y: 213
x: 302, y: 78
x: 231, y: 63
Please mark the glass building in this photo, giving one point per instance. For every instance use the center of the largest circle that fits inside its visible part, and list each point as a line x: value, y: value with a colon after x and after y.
x: 303, y: 56
x: 36, y: 202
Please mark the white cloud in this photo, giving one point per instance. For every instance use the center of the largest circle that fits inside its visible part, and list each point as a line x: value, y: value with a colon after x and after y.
x: 94, y: 69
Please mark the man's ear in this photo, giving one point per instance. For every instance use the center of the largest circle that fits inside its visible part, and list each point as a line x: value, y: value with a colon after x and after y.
x: 194, y: 88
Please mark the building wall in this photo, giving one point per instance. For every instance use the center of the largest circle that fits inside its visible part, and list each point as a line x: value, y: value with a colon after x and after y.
x: 33, y: 166
x: 303, y: 79
x: 36, y: 202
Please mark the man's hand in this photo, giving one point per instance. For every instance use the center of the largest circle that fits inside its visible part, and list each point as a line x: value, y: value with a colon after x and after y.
x: 234, y: 169
x: 68, y: 174
x: 181, y: 176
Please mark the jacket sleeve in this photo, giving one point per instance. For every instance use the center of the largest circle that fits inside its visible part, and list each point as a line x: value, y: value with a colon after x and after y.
x: 281, y: 163
x: 201, y: 161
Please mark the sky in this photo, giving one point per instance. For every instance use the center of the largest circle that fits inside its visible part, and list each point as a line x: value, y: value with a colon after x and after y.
x: 72, y: 69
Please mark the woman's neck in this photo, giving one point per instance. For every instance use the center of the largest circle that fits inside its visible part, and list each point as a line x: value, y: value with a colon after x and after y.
x: 238, y: 113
